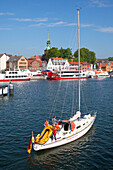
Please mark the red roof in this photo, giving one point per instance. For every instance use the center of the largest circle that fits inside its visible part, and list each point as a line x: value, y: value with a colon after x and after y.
x: 103, y: 64
x: 57, y: 58
x: 34, y: 57
x: 76, y: 63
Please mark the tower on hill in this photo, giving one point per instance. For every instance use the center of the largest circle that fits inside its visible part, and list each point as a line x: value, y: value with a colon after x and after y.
x: 48, y: 47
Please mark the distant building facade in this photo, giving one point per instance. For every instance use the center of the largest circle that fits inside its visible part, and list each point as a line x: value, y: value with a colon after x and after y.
x: 17, y: 62
x: 83, y: 66
x: 3, y: 59
x: 104, y: 65
x: 57, y: 64
x: 35, y: 63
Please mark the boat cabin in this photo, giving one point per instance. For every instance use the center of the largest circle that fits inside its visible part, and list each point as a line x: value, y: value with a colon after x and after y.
x: 67, y: 126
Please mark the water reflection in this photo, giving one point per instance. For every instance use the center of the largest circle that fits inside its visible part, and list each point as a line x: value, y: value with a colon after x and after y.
x: 56, y: 156
x: 3, y: 98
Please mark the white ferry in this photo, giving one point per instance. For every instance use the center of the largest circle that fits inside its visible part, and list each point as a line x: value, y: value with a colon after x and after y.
x: 67, y: 74
x: 16, y: 75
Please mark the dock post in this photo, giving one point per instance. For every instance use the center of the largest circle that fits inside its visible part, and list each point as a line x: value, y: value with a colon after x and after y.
x: 11, y: 89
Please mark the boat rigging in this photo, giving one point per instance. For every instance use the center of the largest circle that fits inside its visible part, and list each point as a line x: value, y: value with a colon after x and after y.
x: 65, y: 131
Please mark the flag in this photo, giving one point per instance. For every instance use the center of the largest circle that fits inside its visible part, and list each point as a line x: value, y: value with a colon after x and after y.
x: 29, y: 148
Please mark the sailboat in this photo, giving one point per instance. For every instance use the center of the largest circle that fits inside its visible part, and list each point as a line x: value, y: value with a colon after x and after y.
x: 66, y: 130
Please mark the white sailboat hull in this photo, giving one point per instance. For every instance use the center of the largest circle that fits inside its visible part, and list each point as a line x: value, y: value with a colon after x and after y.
x: 72, y: 137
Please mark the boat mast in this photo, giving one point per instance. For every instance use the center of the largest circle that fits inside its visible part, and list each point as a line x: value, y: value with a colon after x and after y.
x: 79, y: 54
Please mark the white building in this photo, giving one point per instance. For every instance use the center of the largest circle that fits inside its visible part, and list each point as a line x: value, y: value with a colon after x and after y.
x: 3, y: 59
x: 57, y: 64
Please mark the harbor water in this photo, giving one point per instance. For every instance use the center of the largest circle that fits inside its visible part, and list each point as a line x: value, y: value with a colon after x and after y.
x: 35, y: 101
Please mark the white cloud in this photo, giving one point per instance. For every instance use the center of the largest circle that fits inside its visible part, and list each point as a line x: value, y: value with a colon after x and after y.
x: 5, y: 28
x: 71, y: 24
x: 56, y: 24
x: 87, y: 25
x: 101, y: 3
x: 30, y: 19
x: 37, y: 25
x: 49, y: 24
x: 7, y: 13
x: 106, y: 30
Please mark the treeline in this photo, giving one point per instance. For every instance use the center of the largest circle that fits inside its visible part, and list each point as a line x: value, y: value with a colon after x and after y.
x: 85, y: 55
x: 110, y: 58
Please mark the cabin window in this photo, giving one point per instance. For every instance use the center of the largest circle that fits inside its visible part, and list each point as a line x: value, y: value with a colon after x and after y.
x: 78, y: 127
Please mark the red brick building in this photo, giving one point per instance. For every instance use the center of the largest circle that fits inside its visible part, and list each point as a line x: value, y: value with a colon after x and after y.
x: 35, y: 63
x: 106, y: 66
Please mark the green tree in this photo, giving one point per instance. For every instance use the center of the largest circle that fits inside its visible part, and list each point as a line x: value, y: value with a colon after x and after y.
x: 65, y: 53
x: 110, y: 58
x: 85, y: 56
x: 54, y: 52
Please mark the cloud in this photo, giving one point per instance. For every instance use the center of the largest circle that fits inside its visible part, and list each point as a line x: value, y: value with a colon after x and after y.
x: 56, y: 24
x: 71, y: 24
x: 37, y: 25
x: 30, y: 19
x: 49, y: 24
x: 87, y: 25
x: 7, y: 13
x: 106, y: 30
x: 101, y: 3
x: 5, y: 28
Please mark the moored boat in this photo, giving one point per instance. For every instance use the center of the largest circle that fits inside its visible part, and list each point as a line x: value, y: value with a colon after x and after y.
x: 16, y: 75
x: 101, y: 74
x: 70, y: 130
x: 67, y: 74
x: 64, y: 131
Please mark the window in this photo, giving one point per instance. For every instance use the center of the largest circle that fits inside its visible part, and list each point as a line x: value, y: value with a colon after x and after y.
x: 78, y: 127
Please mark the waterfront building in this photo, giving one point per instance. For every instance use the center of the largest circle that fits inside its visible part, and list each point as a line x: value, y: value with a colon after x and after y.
x: 44, y: 64
x: 106, y: 66
x: 17, y: 62
x: 57, y: 64
x: 35, y: 63
x: 83, y: 66
x: 3, y: 59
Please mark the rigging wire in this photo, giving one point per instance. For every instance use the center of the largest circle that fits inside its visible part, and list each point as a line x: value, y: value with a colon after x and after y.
x: 72, y: 100
x: 54, y: 102
x: 64, y: 99
x: 83, y: 98
x: 75, y: 103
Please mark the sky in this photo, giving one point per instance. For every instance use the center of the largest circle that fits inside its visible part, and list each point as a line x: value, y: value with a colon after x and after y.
x: 24, y: 26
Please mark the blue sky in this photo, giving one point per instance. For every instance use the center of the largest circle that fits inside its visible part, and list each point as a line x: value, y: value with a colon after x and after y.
x: 24, y: 26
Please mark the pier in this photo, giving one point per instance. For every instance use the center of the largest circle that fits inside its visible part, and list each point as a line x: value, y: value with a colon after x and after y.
x: 3, y: 90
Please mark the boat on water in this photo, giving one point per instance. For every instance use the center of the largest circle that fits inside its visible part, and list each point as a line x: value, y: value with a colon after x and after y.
x: 16, y: 75
x: 64, y: 131
x: 67, y: 74
x: 101, y: 74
